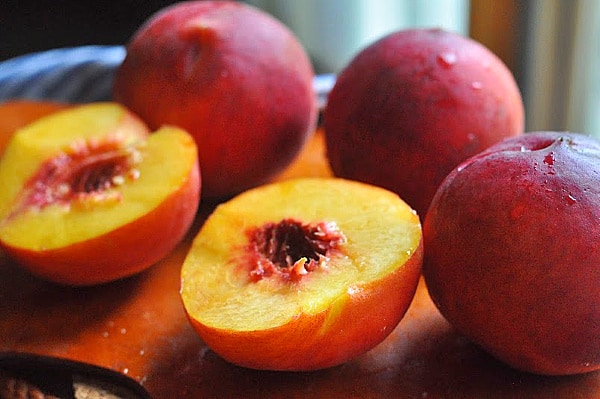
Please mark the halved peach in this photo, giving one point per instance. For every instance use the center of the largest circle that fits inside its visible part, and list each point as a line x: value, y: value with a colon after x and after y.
x: 302, y: 274
x: 15, y: 114
x: 89, y: 196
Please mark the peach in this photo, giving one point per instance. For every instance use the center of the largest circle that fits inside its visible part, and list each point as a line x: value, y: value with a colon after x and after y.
x: 86, y: 197
x: 511, y: 256
x: 15, y: 114
x: 234, y: 77
x: 414, y: 104
x: 302, y: 274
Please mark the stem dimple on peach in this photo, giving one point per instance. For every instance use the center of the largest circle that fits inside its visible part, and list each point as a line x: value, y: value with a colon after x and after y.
x: 291, y: 249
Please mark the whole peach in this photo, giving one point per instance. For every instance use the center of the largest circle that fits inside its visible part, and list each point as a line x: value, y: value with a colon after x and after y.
x: 234, y: 77
x: 512, y: 257
x: 414, y: 104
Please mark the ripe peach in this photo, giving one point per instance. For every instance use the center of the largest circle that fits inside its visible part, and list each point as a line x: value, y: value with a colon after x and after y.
x: 232, y: 76
x: 302, y: 274
x: 86, y: 197
x: 512, y: 259
x: 413, y: 105
x: 15, y: 114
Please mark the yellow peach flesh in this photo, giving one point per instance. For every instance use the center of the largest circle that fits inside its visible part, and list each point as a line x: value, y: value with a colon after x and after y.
x: 382, y: 233
x: 58, y: 225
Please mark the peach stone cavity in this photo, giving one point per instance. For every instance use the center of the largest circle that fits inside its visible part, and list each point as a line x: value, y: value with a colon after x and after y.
x: 88, y: 170
x: 291, y: 249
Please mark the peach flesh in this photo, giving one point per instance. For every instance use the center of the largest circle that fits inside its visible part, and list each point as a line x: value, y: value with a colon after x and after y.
x: 345, y: 306
x: 15, y: 114
x: 290, y: 249
x: 86, y: 196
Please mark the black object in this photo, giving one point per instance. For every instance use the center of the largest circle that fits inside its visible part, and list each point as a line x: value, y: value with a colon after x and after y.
x: 52, y: 377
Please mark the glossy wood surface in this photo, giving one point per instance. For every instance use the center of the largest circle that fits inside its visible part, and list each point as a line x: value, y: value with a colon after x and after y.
x: 137, y: 326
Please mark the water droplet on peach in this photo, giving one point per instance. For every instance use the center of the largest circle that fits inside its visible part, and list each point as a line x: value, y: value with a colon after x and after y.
x: 447, y: 59
x: 353, y: 290
x: 549, y: 159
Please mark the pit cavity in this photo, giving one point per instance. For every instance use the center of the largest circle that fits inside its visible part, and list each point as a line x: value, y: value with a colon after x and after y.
x: 87, y: 170
x: 290, y: 249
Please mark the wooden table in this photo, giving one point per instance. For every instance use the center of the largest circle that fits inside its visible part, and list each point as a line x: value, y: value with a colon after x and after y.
x: 137, y: 326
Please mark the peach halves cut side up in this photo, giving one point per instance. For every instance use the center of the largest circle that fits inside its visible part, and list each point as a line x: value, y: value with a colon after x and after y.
x: 302, y: 274
x: 87, y: 198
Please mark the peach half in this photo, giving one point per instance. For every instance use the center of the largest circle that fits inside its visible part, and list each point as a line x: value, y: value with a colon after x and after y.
x: 302, y: 274
x: 89, y: 196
